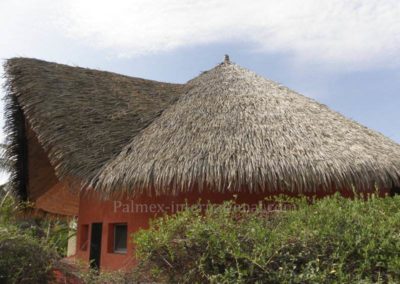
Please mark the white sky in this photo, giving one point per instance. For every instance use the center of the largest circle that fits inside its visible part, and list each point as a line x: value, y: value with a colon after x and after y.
x: 357, y: 33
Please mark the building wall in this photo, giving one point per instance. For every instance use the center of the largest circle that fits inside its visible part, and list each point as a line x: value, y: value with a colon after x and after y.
x: 137, y: 213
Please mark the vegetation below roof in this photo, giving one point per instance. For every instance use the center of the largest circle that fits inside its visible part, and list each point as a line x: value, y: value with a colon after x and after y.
x: 335, y: 240
x: 31, y: 245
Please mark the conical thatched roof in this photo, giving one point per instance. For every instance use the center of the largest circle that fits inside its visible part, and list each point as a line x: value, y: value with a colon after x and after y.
x: 227, y: 129
x: 233, y: 129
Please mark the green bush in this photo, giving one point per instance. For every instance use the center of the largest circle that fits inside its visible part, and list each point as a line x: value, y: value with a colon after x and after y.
x: 53, y: 231
x: 24, y: 259
x: 93, y: 276
x: 334, y: 240
x: 29, y: 247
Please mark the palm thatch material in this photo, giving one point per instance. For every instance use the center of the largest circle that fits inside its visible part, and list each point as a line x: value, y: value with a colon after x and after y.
x: 228, y: 129
x: 81, y: 117
x: 233, y: 129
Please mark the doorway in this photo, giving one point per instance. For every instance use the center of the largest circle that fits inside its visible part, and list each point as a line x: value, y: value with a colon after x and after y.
x: 395, y: 190
x: 95, y: 245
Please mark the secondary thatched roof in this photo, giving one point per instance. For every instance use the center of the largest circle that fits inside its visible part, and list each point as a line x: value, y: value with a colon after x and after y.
x: 227, y: 129
x: 81, y: 117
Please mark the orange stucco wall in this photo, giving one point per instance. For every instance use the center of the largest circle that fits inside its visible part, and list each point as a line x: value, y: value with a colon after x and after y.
x: 135, y: 213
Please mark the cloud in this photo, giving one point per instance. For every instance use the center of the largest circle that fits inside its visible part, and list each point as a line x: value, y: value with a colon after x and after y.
x: 353, y: 33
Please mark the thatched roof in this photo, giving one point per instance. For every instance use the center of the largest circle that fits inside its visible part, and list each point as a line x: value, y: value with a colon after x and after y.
x: 82, y: 117
x: 227, y: 129
x: 233, y: 129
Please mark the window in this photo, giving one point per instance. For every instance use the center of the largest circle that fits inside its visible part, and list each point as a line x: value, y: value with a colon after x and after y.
x: 120, y: 238
x: 84, y: 237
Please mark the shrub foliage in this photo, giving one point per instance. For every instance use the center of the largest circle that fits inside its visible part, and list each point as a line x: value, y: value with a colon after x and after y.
x: 24, y: 259
x: 334, y: 240
x: 28, y: 249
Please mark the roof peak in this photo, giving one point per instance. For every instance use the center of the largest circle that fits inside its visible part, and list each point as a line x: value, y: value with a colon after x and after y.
x: 226, y: 59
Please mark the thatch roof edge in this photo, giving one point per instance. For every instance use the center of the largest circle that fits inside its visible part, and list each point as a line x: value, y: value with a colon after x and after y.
x: 16, y: 141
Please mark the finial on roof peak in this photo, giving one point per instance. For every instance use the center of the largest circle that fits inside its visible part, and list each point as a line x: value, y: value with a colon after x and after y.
x: 226, y: 59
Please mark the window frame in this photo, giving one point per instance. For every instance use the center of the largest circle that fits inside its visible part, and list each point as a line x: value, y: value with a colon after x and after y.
x: 114, y: 249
